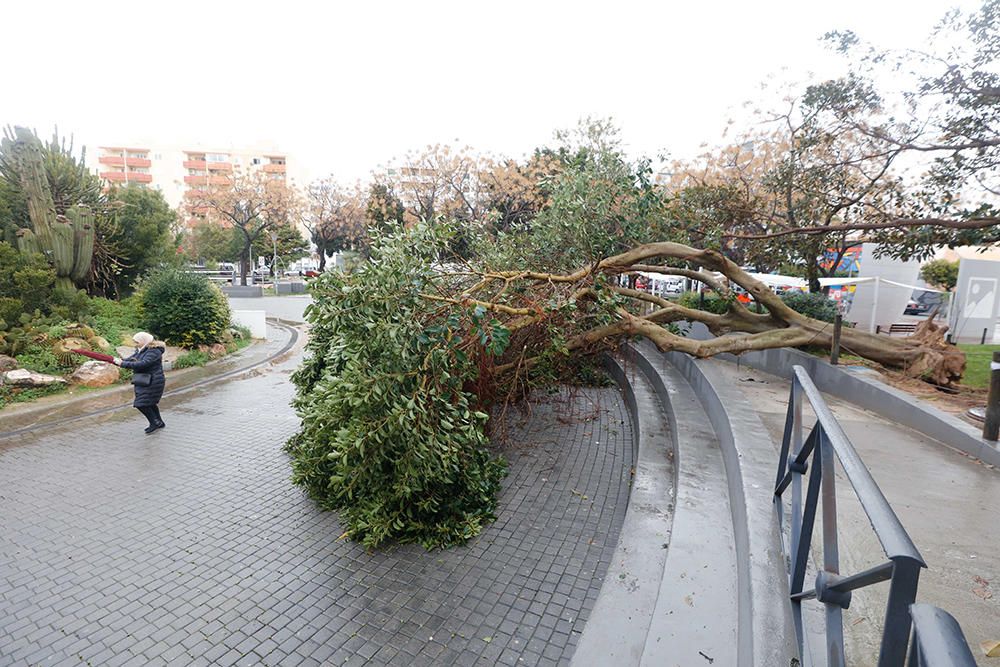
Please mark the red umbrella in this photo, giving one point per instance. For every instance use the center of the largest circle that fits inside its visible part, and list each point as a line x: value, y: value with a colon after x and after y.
x: 96, y: 355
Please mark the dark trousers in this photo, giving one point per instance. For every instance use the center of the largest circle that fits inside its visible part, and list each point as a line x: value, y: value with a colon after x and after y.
x: 151, y: 413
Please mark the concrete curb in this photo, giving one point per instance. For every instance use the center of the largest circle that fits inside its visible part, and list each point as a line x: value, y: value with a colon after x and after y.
x: 23, y: 421
x: 858, y: 385
x: 618, y: 626
x: 766, y: 635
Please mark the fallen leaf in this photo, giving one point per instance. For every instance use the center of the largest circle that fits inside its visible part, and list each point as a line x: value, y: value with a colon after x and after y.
x: 991, y: 648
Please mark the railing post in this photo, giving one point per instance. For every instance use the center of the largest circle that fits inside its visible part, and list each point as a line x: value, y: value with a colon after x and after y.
x: 796, y: 478
x: 991, y: 429
x: 902, y: 594
x: 831, y: 551
x: 838, y: 323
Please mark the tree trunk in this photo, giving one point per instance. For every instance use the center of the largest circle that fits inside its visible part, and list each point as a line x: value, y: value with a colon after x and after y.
x: 322, y: 260
x: 244, y: 264
x: 925, y: 355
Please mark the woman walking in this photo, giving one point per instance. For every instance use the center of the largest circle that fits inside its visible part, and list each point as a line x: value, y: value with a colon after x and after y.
x: 147, y: 376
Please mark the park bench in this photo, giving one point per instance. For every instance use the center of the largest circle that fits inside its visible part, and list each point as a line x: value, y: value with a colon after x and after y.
x: 899, y: 329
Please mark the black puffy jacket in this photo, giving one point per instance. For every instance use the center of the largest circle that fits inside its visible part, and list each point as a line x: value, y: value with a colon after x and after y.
x: 148, y: 360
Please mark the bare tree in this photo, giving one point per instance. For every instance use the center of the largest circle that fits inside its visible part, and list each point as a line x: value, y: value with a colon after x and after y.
x: 251, y: 203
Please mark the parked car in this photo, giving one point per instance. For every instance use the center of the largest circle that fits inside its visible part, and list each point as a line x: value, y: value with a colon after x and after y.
x: 311, y: 273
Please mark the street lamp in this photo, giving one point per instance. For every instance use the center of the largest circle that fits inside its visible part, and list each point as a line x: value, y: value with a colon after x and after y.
x: 274, y: 259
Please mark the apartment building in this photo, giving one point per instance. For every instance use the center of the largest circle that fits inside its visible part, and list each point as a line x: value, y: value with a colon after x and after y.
x: 124, y: 165
x: 179, y: 172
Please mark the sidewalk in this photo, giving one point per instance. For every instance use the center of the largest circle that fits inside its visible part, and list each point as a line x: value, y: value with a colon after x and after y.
x: 947, y: 501
x: 192, y: 547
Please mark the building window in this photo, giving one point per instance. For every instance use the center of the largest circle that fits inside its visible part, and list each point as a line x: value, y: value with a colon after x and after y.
x: 255, y: 160
x: 217, y: 157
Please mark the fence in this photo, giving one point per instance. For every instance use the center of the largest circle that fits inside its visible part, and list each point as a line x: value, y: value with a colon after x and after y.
x: 933, y: 634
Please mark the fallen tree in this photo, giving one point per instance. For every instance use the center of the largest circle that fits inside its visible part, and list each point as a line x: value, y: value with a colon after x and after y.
x: 409, y: 356
x: 925, y: 354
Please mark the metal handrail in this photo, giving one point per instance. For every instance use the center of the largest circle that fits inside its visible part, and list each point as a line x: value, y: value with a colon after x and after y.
x: 902, y: 569
x: 937, y: 639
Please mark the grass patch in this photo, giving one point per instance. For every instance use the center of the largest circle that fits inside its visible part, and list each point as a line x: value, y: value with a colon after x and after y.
x: 192, y: 358
x: 977, y: 365
x: 10, y: 395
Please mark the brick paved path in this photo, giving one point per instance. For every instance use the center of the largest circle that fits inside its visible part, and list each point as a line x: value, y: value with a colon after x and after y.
x: 191, y: 547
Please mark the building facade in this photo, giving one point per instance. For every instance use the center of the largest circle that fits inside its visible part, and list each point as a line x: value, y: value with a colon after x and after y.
x: 180, y: 172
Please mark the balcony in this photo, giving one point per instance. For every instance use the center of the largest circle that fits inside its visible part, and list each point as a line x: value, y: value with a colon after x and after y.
x: 119, y: 161
x: 274, y: 168
x: 206, y: 180
x: 220, y: 166
x: 195, y: 193
x: 122, y: 177
x: 200, y: 165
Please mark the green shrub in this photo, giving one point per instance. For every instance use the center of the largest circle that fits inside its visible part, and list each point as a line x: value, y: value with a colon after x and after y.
x: 711, y: 302
x: 389, y: 435
x: 41, y: 359
x: 114, y: 320
x: 10, y: 394
x: 183, y: 308
x: 26, y: 281
x: 192, y: 358
x: 811, y: 304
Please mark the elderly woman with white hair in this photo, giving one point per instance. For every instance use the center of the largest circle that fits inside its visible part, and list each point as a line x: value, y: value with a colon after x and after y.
x: 147, y: 377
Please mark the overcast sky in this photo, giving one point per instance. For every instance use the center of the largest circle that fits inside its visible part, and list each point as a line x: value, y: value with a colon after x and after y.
x: 343, y: 89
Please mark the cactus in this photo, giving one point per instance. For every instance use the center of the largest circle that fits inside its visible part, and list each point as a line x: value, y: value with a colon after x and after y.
x: 67, y: 241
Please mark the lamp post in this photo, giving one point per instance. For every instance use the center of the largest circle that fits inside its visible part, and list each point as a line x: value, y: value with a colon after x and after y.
x: 274, y: 259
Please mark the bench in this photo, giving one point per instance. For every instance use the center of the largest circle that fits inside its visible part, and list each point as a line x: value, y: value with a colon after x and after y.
x: 899, y: 329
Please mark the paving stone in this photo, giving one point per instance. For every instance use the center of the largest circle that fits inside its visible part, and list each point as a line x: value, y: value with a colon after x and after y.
x: 190, y: 546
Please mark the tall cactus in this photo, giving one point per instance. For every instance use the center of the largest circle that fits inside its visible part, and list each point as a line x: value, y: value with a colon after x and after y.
x: 66, y: 240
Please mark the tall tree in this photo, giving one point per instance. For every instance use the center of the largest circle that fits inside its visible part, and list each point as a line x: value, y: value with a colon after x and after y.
x: 252, y: 203
x: 335, y: 218
x: 142, y: 233
x: 286, y: 241
x: 795, y: 189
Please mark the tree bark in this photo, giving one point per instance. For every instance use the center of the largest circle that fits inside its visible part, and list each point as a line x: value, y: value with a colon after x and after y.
x: 542, y: 299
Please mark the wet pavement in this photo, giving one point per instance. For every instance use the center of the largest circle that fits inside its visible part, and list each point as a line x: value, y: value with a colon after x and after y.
x: 191, y: 547
x: 947, y: 502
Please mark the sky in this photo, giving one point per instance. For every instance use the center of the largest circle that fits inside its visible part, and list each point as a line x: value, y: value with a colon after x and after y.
x: 345, y: 87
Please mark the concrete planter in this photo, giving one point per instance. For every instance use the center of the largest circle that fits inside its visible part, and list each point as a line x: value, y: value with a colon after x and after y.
x: 243, y: 291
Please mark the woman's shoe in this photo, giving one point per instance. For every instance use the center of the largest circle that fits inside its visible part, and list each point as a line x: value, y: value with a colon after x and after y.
x: 155, y: 427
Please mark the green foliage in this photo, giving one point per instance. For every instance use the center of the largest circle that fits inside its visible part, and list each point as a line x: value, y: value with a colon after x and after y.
x: 41, y: 359
x: 212, y: 242
x: 192, y: 358
x: 26, y: 281
x: 9, y: 395
x: 390, y: 436
x: 142, y: 233
x: 114, y: 320
x: 941, y: 273
x: 708, y: 301
x: 600, y: 203
x: 291, y: 245
x: 811, y: 304
x: 183, y: 308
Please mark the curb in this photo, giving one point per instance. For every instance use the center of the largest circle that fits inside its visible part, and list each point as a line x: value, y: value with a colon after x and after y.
x: 286, y: 348
x: 766, y: 634
x: 617, y: 628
